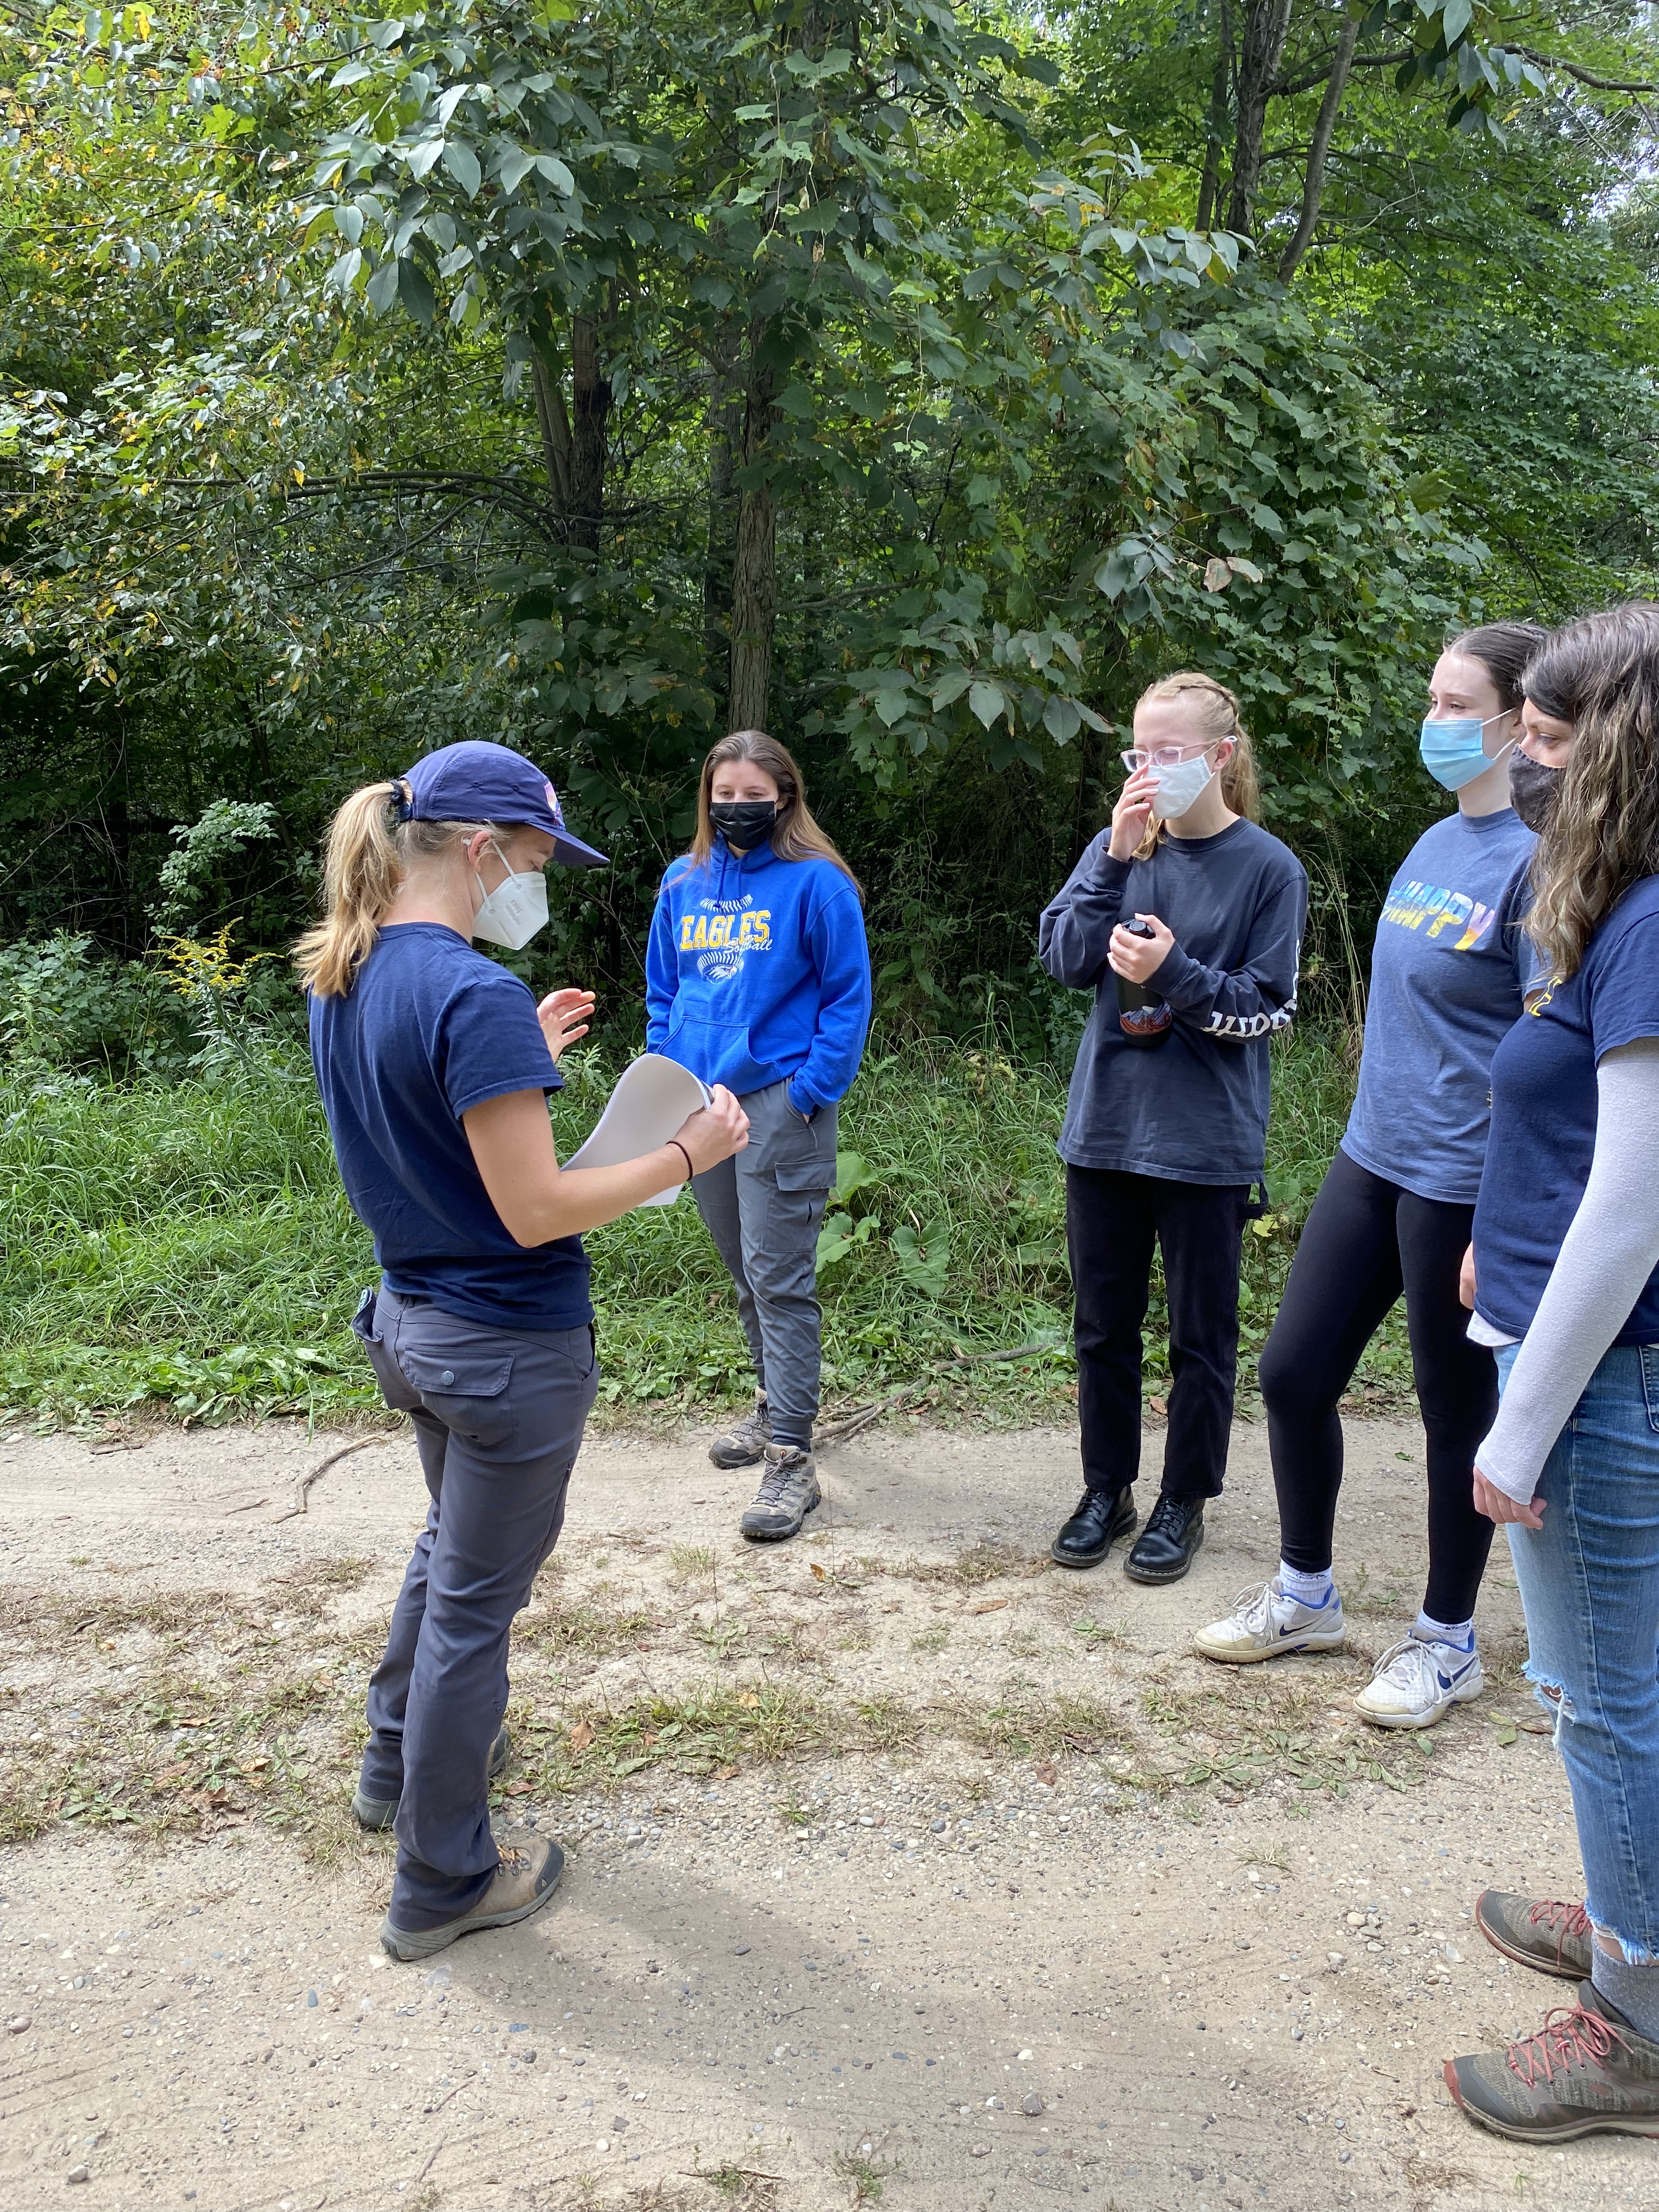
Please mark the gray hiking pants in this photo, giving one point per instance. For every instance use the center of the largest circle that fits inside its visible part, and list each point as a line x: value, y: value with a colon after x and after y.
x: 498, y: 1417
x: 764, y: 1207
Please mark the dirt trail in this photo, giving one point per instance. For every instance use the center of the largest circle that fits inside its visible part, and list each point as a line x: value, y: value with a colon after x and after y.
x: 899, y: 1864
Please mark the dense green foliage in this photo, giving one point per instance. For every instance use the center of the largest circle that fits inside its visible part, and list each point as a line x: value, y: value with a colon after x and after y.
x: 916, y: 381
x: 919, y: 380
x: 186, y: 1244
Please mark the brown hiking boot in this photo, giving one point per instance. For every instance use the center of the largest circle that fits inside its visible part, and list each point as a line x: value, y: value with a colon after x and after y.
x: 1586, y: 2072
x: 524, y: 1880
x: 1541, y: 1932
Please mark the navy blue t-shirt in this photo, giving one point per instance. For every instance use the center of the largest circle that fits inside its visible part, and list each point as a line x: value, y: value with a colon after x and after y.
x: 1543, y: 1116
x: 429, y: 1029
x: 1451, y: 962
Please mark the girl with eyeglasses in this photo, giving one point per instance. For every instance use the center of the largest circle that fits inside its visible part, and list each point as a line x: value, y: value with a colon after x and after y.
x: 1448, y: 973
x: 1185, y: 919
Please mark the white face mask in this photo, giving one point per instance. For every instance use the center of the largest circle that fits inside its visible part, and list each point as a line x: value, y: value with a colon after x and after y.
x: 1182, y: 785
x: 513, y: 913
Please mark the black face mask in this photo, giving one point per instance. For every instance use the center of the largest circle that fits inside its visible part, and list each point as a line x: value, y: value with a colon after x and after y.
x: 745, y: 822
x: 1533, y: 790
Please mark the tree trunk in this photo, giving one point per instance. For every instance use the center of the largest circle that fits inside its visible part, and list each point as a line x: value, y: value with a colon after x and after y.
x: 590, y: 393
x: 1266, y: 23
x: 1313, y: 182
x: 1209, y: 185
x: 555, y: 433
x: 754, y: 572
x: 725, y: 430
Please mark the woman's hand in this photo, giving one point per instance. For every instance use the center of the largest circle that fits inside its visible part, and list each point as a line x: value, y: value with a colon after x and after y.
x: 563, y: 1015
x: 1131, y: 813
x: 1466, y: 1287
x: 1498, y: 1505
x: 1138, y: 957
x: 714, y: 1132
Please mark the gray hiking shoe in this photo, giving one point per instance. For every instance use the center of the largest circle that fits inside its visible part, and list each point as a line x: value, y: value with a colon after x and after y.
x: 1587, y: 2071
x: 524, y: 1881
x: 745, y: 1442
x: 788, y: 1494
x: 1546, y: 1933
x: 381, y: 1812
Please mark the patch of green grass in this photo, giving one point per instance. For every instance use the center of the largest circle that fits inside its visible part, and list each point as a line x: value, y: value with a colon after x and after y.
x: 187, y: 1246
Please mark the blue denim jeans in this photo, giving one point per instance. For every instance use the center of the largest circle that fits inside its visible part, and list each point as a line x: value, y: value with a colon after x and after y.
x: 1589, y: 1585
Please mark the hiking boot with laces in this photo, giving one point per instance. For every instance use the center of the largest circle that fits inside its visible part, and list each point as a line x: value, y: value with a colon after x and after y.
x: 1415, y: 1682
x: 381, y: 1812
x: 1586, y: 2072
x: 1265, y: 1623
x: 524, y: 1880
x: 788, y: 1494
x: 1546, y: 1933
x: 745, y: 1442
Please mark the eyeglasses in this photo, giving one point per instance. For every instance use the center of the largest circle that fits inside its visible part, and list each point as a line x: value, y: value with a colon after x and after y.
x: 1166, y: 755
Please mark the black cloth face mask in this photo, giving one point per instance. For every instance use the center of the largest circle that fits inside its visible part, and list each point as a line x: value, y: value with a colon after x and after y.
x: 745, y: 822
x: 1533, y: 790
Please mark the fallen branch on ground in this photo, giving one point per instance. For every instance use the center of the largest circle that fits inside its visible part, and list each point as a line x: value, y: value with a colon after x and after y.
x: 840, y: 1426
x: 302, y: 1487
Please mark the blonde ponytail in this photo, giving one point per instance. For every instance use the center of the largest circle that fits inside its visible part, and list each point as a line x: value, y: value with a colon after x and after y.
x: 1215, y: 712
x: 364, y: 861
x: 361, y: 873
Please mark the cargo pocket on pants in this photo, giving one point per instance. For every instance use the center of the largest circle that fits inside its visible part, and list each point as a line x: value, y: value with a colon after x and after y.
x: 467, y: 1391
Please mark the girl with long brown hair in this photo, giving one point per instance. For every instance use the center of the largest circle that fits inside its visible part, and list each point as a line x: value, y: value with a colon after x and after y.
x: 758, y: 976
x: 1564, y: 1282
x: 1185, y: 919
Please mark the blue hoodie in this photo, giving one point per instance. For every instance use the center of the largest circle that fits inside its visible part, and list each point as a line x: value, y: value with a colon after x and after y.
x: 757, y: 972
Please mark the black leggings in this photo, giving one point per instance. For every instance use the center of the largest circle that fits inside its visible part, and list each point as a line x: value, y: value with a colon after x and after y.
x: 1364, y: 1240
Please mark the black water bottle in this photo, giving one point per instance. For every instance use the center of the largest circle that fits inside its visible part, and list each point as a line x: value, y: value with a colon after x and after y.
x: 1143, y: 1016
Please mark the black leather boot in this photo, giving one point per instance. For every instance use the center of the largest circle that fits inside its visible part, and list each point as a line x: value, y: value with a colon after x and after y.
x: 1170, y: 1542
x: 1102, y: 1516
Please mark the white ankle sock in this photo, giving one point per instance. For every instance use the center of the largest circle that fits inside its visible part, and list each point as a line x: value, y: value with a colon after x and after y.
x: 1459, y: 1632
x: 1306, y: 1590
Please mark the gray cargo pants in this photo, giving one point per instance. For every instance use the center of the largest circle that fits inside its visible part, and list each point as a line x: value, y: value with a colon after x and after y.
x: 498, y: 1417
x: 764, y: 1207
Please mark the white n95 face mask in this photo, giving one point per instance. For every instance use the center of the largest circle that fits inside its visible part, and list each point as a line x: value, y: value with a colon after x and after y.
x: 513, y: 913
x: 1182, y: 785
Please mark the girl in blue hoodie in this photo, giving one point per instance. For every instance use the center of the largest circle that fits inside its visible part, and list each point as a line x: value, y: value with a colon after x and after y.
x: 758, y: 976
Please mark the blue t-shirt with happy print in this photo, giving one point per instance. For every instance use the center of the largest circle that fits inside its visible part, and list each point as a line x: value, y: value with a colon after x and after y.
x: 1451, y: 962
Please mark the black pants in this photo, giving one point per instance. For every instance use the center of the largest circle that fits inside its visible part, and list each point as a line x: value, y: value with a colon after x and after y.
x: 1364, y: 1240
x: 1112, y: 1222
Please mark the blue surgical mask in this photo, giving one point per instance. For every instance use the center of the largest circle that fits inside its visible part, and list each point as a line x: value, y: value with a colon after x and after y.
x: 1453, y: 751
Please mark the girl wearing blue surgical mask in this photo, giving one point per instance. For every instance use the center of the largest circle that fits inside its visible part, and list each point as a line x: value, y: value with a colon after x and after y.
x: 1186, y: 902
x: 1448, y: 975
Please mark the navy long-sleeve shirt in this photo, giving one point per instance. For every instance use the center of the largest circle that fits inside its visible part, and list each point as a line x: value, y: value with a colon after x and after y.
x: 1195, y: 1107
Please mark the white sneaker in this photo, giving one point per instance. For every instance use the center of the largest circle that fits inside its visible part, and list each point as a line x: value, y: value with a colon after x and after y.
x: 1264, y: 1623
x: 1415, y: 1682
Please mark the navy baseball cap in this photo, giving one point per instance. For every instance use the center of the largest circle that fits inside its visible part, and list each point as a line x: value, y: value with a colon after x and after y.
x: 481, y: 782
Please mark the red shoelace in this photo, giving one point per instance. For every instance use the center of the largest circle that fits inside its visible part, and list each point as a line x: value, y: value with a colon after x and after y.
x: 1555, y: 1915
x: 1570, y: 2037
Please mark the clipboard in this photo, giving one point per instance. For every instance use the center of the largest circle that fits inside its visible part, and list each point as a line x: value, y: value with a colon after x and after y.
x: 652, y: 1097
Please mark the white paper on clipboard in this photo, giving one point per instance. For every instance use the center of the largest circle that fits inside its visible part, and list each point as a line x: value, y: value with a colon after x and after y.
x: 654, y: 1096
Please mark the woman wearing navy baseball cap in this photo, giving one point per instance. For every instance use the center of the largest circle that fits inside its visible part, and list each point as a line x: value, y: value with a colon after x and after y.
x: 434, y: 1064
